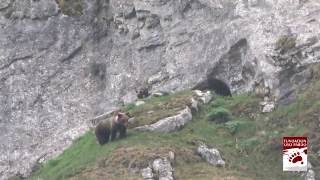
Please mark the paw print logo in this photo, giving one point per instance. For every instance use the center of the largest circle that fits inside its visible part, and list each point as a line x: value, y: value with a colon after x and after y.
x: 295, y: 158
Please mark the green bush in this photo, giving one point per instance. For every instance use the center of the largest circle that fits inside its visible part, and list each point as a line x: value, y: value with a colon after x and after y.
x: 219, y: 115
x: 285, y: 43
x: 71, y: 7
x: 130, y: 106
x: 218, y: 102
x: 233, y: 126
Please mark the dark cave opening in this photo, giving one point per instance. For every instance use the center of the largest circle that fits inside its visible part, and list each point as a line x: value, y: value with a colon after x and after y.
x: 216, y: 85
x: 219, y: 87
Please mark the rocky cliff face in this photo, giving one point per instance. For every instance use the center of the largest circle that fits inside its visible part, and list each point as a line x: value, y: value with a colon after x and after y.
x: 63, y: 62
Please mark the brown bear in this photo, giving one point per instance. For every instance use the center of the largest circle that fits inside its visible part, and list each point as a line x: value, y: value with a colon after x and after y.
x: 116, y: 124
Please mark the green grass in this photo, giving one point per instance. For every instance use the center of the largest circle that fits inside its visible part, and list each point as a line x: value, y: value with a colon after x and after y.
x: 250, y: 142
x: 81, y: 154
x: 219, y: 115
x: 156, y: 108
x: 238, y: 126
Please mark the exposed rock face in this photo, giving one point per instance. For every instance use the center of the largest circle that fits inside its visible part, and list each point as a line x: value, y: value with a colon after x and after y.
x: 61, y: 64
x: 211, y: 155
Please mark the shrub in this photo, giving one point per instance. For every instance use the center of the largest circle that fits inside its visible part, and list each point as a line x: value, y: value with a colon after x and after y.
x: 219, y: 115
x: 130, y: 106
x: 285, y: 43
x: 233, y: 126
x: 218, y: 102
x: 71, y: 7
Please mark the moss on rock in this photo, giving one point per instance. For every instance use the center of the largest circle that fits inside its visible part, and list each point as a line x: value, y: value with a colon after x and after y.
x: 285, y: 43
x: 71, y: 7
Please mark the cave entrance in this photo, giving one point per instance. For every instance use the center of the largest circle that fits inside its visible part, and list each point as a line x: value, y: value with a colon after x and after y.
x: 219, y: 87
x: 216, y: 85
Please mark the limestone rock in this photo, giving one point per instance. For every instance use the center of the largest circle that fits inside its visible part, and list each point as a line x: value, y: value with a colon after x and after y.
x: 194, y: 106
x: 159, y: 94
x: 204, y: 97
x: 92, y: 123
x: 169, y: 124
x: 139, y: 103
x: 132, y: 120
x: 163, y: 169
x: 268, y: 106
x: 129, y: 97
x: 212, y: 156
x: 160, y: 168
x: 310, y: 174
x: 171, y: 157
x: 147, y: 173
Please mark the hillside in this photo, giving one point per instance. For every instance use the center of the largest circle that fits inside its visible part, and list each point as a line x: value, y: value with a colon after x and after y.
x: 249, y: 142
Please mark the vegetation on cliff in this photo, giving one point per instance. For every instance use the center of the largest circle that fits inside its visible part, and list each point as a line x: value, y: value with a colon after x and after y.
x: 250, y: 142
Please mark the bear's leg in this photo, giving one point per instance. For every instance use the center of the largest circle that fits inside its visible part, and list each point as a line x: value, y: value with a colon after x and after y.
x: 114, y: 131
x: 123, y: 131
x: 103, y: 136
x: 107, y: 135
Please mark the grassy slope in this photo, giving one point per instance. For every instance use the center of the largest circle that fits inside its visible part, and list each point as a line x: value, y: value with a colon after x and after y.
x: 250, y: 143
x: 158, y: 108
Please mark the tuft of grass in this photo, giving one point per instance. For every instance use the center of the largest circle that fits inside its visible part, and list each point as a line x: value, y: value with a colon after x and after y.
x: 316, y: 71
x: 219, y: 115
x: 218, y: 102
x: 242, y: 105
x: 236, y: 126
x: 71, y: 7
x: 285, y: 43
x: 130, y: 107
x: 249, y: 144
